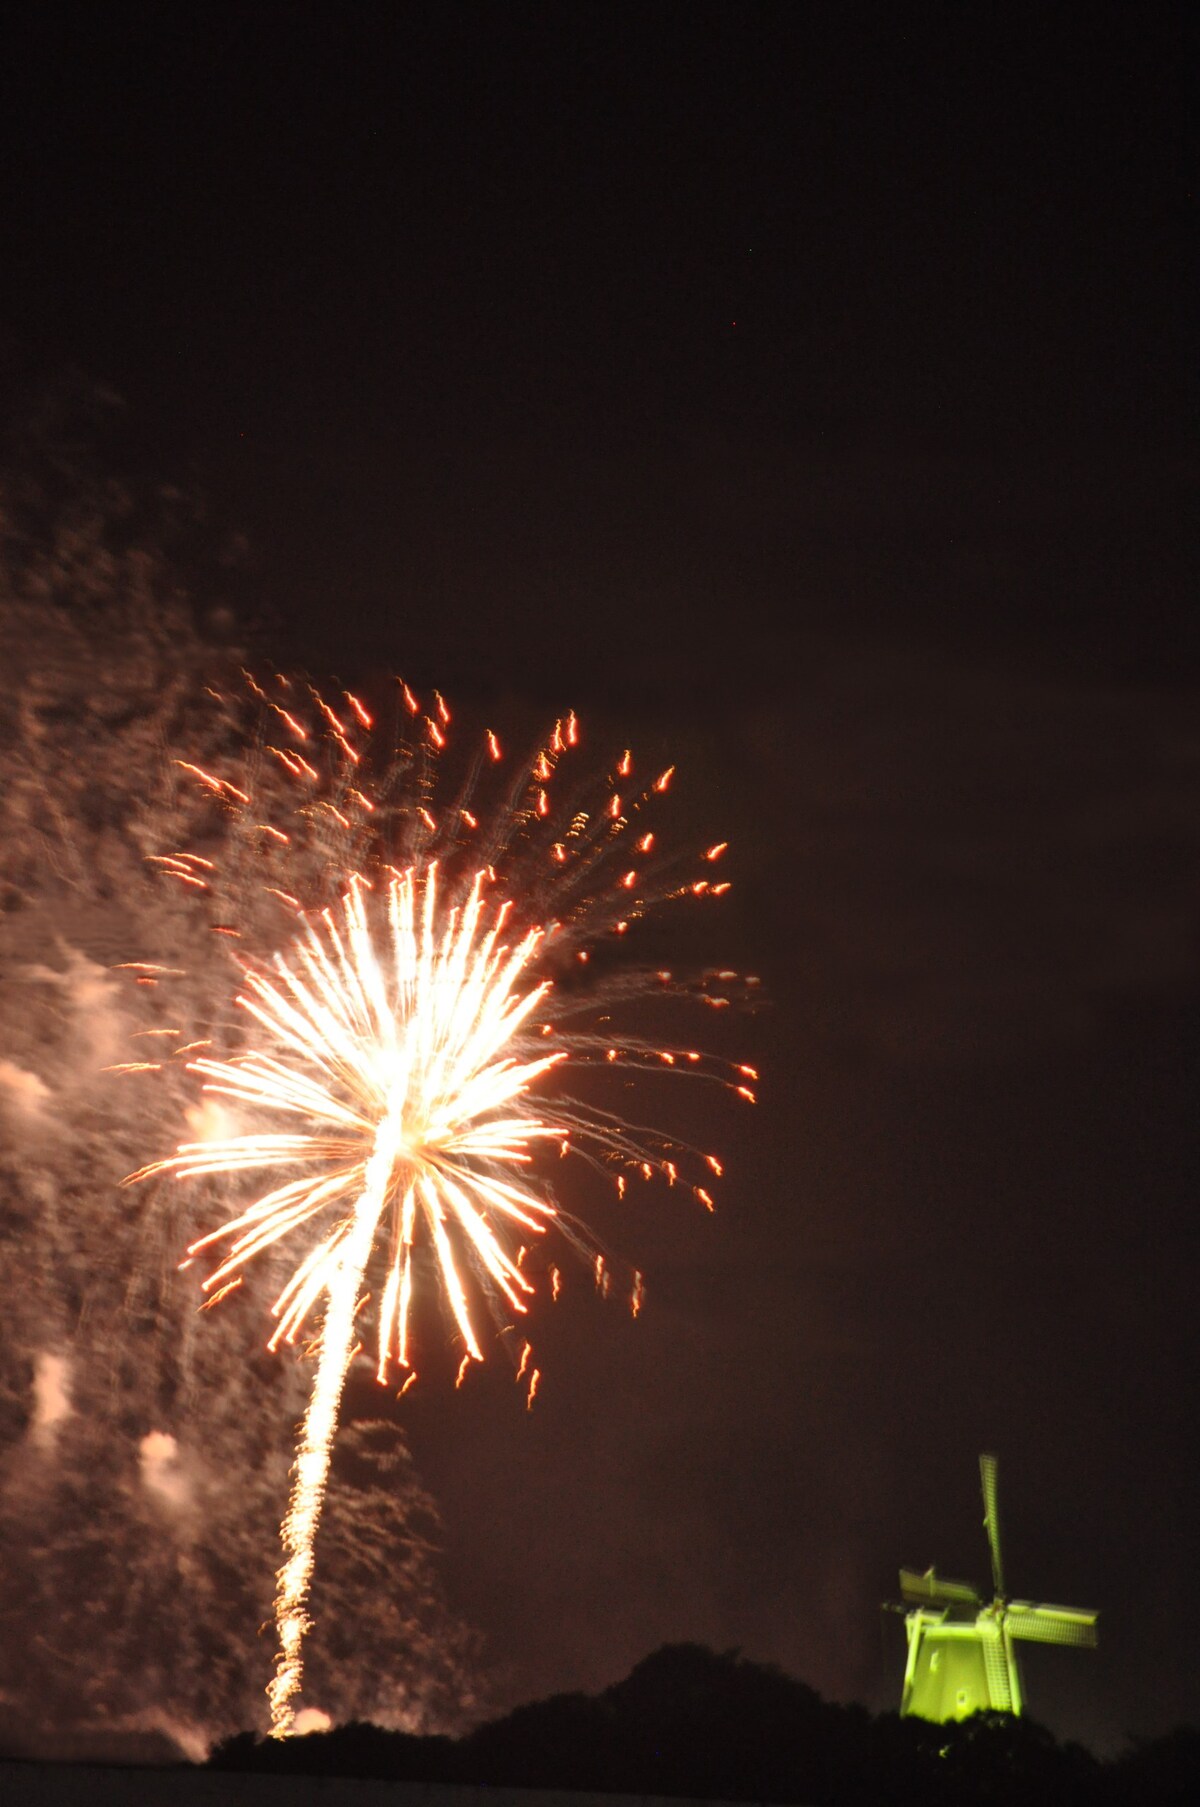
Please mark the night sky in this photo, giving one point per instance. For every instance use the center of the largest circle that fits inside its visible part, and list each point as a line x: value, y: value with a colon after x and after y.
x: 805, y: 393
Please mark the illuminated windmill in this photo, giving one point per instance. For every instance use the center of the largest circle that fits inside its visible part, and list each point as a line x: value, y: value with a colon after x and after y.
x: 962, y: 1654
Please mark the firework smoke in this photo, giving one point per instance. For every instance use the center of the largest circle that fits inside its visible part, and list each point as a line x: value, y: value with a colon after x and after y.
x: 153, y: 1566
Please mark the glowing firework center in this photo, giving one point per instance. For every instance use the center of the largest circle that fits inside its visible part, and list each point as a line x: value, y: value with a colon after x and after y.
x: 405, y: 1062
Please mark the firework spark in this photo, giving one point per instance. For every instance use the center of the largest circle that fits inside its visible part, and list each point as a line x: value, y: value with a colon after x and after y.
x: 403, y: 1044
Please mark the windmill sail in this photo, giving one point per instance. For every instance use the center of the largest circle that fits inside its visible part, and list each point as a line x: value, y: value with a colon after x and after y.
x: 1051, y: 1624
x: 932, y: 1589
x: 998, y: 1667
x: 988, y: 1475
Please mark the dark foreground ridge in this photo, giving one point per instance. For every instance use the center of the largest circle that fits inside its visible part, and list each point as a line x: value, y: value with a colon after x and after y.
x: 690, y: 1723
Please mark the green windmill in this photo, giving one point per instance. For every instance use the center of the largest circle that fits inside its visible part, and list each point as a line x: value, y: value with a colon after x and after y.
x: 962, y: 1655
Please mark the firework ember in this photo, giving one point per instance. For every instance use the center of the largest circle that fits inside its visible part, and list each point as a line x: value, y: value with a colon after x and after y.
x: 397, y: 1086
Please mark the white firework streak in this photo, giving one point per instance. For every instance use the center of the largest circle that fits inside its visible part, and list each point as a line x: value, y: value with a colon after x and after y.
x: 397, y: 1028
x: 400, y: 1050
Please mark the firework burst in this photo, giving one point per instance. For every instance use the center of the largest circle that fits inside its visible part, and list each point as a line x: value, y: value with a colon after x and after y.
x: 398, y: 1081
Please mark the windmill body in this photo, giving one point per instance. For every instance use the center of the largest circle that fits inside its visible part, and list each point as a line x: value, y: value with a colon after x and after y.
x: 962, y: 1650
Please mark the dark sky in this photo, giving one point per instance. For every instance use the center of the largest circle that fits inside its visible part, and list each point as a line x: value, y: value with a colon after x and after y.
x: 809, y: 391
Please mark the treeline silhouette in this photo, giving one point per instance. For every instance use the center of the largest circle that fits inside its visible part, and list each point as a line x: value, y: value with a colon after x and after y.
x: 692, y: 1723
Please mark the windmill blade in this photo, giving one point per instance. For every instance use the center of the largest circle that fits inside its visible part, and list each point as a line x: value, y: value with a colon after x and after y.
x: 929, y: 1589
x: 1051, y: 1624
x: 997, y: 1666
x: 988, y: 1471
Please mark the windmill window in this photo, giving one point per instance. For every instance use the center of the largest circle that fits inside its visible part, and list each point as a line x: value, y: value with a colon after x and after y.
x: 935, y: 1658
x: 963, y: 1698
